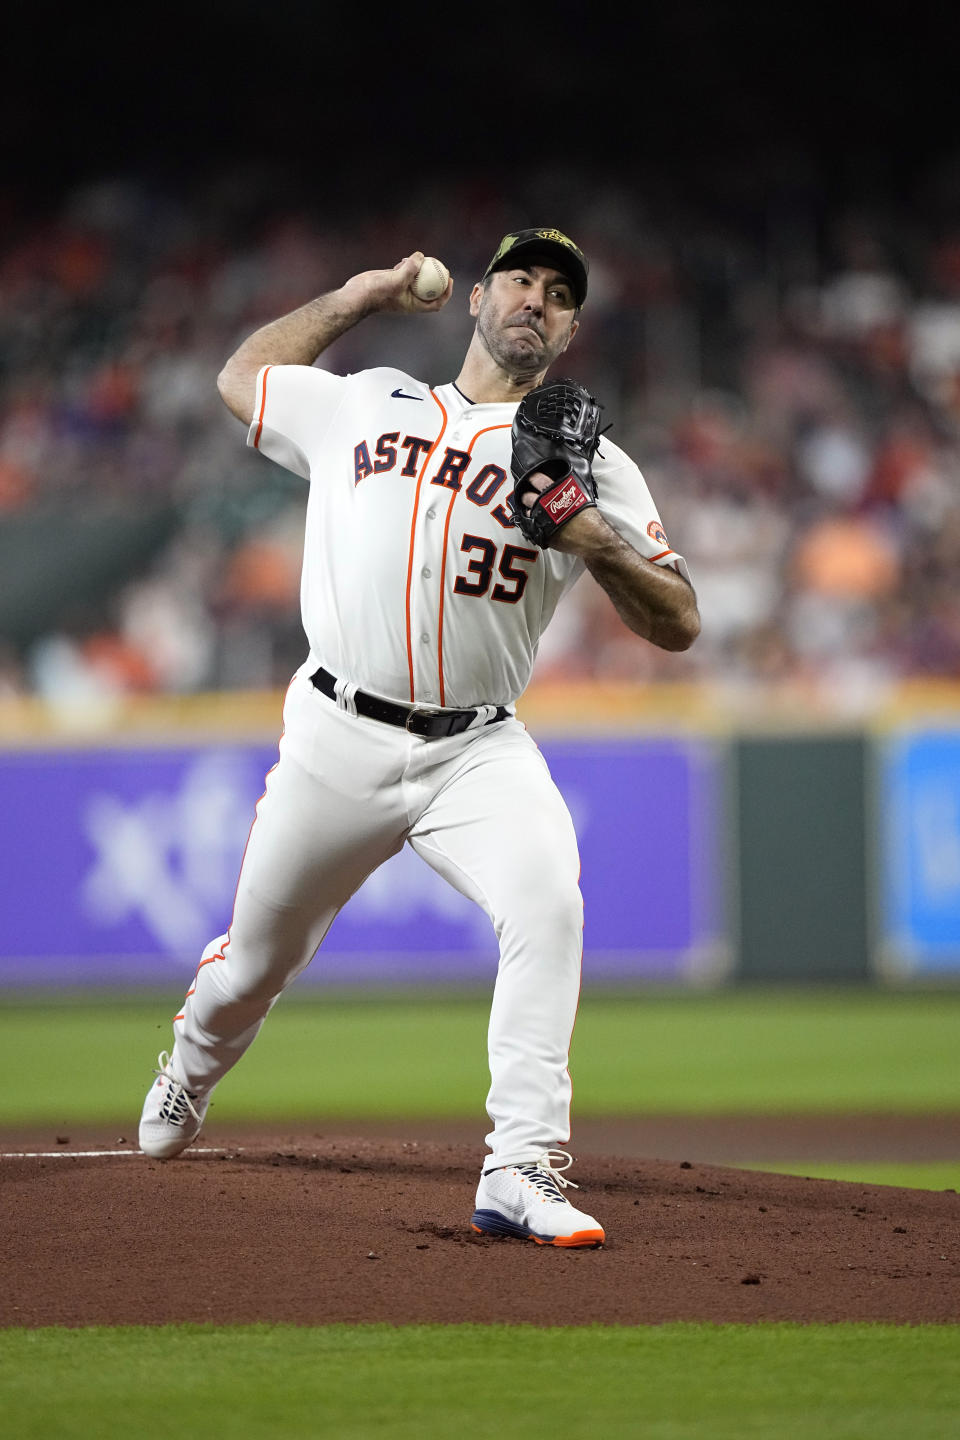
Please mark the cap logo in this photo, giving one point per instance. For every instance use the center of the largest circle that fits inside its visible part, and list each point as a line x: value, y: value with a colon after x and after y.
x: 540, y: 244
x: 557, y: 236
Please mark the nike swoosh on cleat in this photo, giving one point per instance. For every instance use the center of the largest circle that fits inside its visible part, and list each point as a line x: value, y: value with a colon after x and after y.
x: 402, y: 395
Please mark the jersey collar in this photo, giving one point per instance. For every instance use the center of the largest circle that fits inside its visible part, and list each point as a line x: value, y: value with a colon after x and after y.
x: 457, y: 403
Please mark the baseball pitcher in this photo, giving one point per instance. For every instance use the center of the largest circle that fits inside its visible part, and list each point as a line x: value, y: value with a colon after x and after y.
x: 444, y: 525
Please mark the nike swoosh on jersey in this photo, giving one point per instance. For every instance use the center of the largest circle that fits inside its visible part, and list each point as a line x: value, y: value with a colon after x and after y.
x: 399, y: 394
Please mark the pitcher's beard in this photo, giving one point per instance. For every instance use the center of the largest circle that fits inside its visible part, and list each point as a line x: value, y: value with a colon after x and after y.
x: 511, y: 351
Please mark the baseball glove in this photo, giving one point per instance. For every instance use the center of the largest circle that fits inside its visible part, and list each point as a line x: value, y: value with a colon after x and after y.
x: 556, y: 432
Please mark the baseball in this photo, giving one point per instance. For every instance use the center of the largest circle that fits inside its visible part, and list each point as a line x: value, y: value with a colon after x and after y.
x: 431, y: 281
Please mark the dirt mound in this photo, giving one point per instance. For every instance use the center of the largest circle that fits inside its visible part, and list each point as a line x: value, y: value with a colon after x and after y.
x: 354, y: 1228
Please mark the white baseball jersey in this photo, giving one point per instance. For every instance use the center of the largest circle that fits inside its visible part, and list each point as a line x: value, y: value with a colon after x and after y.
x: 417, y: 587
x: 416, y: 584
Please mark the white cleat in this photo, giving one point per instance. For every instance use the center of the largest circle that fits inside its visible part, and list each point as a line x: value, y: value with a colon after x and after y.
x: 528, y: 1201
x: 172, y: 1115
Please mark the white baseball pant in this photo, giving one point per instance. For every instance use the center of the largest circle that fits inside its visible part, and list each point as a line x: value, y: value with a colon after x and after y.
x: 482, y: 810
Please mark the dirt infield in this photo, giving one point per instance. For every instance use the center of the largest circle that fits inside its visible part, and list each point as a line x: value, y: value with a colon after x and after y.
x: 347, y: 1226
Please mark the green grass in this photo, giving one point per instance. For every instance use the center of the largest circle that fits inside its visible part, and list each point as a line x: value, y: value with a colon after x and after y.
x: 930, y: 1175
x: 733, y: 1051
x: 669, y: 1382
x: 766, y: 1051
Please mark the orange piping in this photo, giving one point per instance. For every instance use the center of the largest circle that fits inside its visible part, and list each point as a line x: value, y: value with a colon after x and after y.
x: 443, y: 572
x: 443, y: 564
x: 263, y: 406
x: 413, y: 536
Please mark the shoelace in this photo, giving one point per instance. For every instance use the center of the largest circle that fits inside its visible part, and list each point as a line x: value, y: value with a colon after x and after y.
x: 179, y: 1100
x: 545, y: 1174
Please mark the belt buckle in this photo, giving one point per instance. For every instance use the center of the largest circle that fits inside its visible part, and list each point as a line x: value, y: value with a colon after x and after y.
x: 419, y: 714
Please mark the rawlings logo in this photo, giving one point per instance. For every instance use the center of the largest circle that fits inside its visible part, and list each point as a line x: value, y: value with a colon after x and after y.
x: 561, y: 501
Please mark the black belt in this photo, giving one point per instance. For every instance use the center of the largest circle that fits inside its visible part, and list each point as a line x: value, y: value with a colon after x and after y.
x: 428, y: 724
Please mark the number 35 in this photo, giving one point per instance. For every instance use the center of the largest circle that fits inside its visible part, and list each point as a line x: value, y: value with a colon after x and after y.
x: 481, y: 568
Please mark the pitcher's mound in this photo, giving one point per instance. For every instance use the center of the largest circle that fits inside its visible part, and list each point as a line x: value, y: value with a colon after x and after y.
x: 341, y: 1228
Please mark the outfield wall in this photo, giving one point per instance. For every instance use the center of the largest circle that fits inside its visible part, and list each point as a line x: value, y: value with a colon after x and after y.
x: 801, y: 848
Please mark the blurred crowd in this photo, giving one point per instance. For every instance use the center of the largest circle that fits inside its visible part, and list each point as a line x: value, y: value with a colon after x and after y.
x: 791, y: 395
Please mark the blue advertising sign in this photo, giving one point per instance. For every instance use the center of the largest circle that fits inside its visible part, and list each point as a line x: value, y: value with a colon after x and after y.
x: 120, y: 865
x: 921, y: 908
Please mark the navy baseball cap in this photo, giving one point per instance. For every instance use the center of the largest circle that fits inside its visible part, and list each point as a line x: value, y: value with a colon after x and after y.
x: 526, y: 247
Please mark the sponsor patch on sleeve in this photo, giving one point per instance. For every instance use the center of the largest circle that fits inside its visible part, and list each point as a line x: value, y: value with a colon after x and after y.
x: 656, y: 532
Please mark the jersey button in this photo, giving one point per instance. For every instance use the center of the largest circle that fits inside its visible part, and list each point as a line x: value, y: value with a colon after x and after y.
x: 424, y: 639
x: 431, y: 514
x: 426, y: 572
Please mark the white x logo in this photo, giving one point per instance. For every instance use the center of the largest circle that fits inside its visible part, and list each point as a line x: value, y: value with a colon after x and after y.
x: 171, y: 858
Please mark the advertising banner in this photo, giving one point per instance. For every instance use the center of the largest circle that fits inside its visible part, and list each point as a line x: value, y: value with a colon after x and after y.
x: 920, y: 902
x: 119, y: 865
